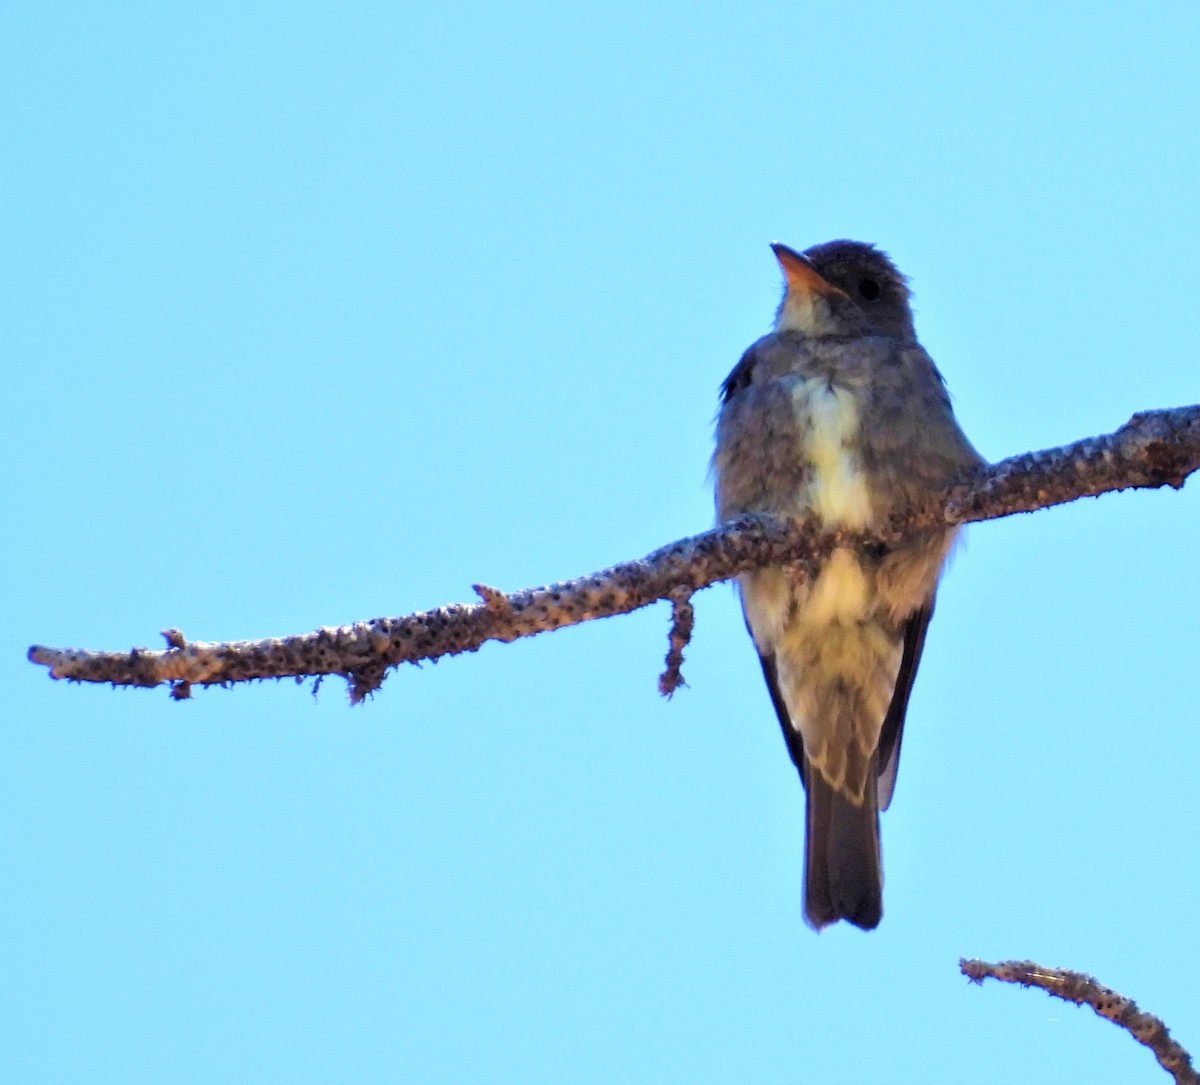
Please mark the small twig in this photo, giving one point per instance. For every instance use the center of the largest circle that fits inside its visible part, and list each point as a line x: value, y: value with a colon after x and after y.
x: 1159, y: 448
x: 1084, y: 990
x: 495, y: 600
x: 683, y: 617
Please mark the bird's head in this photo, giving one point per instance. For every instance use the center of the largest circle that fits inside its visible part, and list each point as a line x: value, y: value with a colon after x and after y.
x: 842, y: 288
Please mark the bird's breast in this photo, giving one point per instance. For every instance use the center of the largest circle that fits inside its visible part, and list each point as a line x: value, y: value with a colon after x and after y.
x: 828, y: 421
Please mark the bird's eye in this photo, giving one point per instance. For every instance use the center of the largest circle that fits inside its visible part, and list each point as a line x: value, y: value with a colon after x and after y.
x: 868, y: 289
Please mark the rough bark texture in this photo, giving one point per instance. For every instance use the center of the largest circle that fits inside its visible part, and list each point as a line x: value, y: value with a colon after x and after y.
x: 1083, y: 990
x: 1156, y: 448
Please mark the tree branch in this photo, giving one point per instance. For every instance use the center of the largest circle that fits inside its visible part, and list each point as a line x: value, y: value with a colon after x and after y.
x: 1083, y: 990
x: 1155, y: 448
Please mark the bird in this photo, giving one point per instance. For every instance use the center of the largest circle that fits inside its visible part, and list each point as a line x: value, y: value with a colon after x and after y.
x: 839, y: 413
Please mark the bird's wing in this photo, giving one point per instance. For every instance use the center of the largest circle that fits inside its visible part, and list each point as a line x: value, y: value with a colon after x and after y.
x: 741, y: 374
x: 893, y: 723
x: 791, y: 735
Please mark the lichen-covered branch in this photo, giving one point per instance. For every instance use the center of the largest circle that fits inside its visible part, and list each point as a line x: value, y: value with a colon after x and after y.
x: 1157, y: 448
x: 1152, y: 449
x: 1083, y: 990
x: 364, y: 651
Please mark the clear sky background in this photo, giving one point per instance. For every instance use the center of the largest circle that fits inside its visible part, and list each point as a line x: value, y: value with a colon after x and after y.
x: 314, y: 313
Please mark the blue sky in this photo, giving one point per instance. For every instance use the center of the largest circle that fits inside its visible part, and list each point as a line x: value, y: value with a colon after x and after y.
x: 315, y: 313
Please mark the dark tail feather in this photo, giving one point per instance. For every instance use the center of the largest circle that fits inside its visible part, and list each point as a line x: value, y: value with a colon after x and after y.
x: 843, y: 875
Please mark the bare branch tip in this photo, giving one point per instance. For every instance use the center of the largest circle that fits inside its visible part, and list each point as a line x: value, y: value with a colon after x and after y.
x: 494, y: 599
x: 972, y: 969
x: 670, y: 682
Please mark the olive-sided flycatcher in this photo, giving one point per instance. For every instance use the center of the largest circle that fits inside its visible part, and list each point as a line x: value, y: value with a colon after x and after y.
x: 839, y: 412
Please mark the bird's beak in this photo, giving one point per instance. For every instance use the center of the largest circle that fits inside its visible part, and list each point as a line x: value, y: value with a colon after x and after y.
x: 802, y: 278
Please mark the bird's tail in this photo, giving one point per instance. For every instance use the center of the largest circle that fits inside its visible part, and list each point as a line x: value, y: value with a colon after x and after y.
x: 843, y: 871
